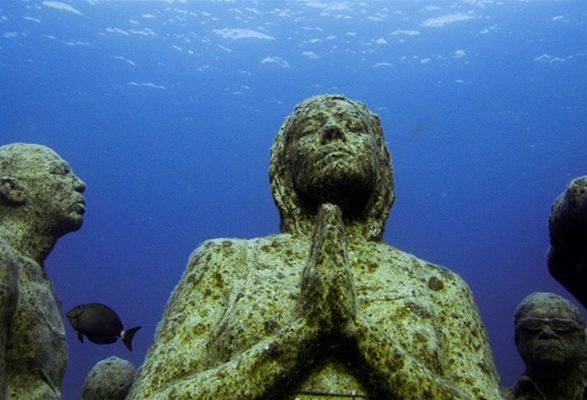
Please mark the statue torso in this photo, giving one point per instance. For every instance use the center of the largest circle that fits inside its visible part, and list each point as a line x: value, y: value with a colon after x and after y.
x: 36, y: 344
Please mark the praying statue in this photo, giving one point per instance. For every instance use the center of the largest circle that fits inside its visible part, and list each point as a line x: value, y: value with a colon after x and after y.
x: 550, y: 337
x: 41, y: 199
x: 324, y: 309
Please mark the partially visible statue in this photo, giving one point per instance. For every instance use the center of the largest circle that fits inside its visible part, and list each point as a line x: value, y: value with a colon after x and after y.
x: 550, y: 337
x: 40, y: 201
x: 324, y: 309
x: 110, y: 379
x: 567, y: 256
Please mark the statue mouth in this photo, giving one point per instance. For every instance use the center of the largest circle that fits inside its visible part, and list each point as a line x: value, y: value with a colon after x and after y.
x: 79, y: 208
x: 334, y: 153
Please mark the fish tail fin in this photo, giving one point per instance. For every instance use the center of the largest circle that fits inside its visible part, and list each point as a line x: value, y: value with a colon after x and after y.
x: 128, y: 335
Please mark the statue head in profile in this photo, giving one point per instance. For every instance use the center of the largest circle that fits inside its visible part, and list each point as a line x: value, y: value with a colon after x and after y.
x: 39, y: 190
x: 567, y: 255
x: 331, y: 150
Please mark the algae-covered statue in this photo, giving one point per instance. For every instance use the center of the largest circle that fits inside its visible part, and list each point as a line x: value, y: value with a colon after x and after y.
x: 550, y: 337
x: 109, y: 379
x: 567, y: 256
x: 40, y: 201
x: 324, y: 309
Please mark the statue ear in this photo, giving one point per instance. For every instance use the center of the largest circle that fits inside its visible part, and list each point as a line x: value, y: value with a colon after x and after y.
x: 11, y: 191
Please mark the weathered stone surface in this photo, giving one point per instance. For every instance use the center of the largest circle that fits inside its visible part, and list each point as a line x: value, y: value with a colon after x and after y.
x: 110, y: 379
x: 40, y: 201
x: 550, y: 337
x: 324, y: 308
x: 567, y: 256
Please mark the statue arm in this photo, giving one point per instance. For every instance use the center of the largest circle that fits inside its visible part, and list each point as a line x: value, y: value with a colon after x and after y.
x: 467, y: 366
x: 8, y: 302
x: 182, y: 364
x: 254, y: 374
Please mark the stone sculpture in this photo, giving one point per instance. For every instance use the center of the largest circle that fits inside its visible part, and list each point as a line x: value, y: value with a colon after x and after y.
x: 40, y: 201
x: 110, y: 379
x: 324, y: 308
x: 567, y: 256
x: 550, y: 337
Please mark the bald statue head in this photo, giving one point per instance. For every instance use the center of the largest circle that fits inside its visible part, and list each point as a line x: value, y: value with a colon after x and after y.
x: 332, y: 150
x: 549, y: 332
x: 38, y: 188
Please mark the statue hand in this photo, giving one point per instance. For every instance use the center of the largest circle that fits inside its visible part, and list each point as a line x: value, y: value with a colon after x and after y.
x: 327, y: 289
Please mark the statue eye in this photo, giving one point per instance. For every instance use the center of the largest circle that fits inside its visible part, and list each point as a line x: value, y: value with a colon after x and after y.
x: 355, y: 125
x: 310, y: 126
x: 60, y: 169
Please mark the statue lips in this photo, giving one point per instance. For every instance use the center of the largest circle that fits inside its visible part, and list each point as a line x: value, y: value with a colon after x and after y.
x: 332, y: 153
x: 79, y: 207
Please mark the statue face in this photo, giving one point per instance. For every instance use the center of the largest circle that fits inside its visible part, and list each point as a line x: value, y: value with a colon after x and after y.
x: 549, y: 337
x: 55, y: 192
x: 332, y: 152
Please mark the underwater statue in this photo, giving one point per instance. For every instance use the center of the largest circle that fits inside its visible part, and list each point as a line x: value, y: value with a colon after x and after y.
x: 324, y: 309
x: 40, y: 201
x: 567, y: 256
x: 110, y: 379
x: 550, y: 337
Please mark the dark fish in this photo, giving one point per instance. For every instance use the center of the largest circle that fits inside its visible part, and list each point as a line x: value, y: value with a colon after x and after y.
x: 100, y: 324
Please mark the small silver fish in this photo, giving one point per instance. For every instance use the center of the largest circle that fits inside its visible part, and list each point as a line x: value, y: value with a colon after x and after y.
x: 100, y: 324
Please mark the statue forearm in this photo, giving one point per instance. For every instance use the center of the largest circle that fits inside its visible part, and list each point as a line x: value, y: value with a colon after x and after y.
x: 398, y: 375
x: 256, y: 373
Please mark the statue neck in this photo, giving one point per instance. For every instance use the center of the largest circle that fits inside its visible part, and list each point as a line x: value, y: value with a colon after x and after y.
x: 32, y: 240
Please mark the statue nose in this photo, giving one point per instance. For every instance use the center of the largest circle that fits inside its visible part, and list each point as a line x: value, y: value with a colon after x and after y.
x: 331, y: 131
x: 547, y: 331
x: 79, y: 185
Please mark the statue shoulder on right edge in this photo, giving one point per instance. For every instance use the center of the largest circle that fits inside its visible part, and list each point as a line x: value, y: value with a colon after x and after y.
x: 567, y: 256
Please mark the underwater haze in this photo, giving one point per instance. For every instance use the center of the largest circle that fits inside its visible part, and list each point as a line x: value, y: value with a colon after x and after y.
x: 167, y: 110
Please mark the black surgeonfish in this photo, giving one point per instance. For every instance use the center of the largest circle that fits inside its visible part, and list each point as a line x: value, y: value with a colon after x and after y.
x: 100, y: 324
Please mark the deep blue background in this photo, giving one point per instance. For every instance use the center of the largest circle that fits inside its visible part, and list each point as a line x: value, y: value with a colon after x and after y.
x: 170, y: 125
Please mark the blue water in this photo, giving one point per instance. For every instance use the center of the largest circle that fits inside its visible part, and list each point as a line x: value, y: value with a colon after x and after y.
x: 167, y: 110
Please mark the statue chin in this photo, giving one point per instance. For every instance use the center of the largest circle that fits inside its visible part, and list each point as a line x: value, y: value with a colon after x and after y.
x: 72, y: 224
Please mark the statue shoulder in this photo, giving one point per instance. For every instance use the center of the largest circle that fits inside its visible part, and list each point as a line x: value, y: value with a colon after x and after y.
x: 7, y: 254
x: 226, y: 259
x: 8, y: 261
x: 217, y: 251
x: 437, y: 277
x: 235, y: 255
x: 9, y: 283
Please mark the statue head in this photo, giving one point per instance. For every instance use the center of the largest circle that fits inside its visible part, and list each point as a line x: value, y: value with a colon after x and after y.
x: 331, y: 150
x: 549, y: 333
x: 38, y: 187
